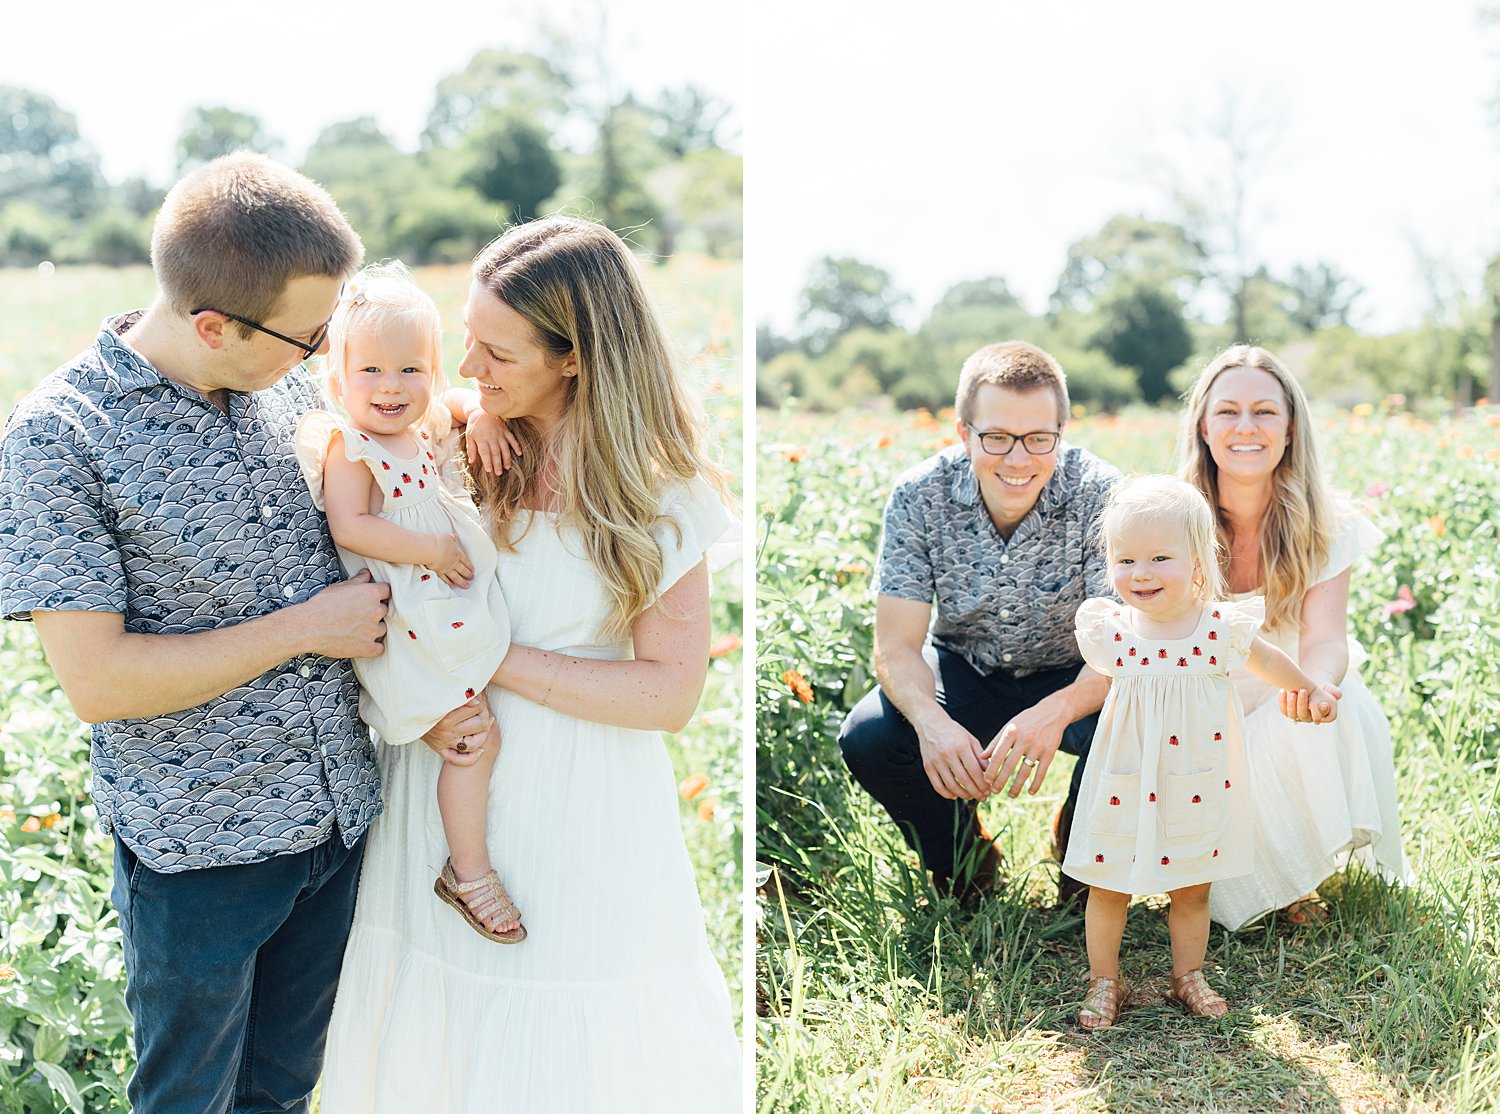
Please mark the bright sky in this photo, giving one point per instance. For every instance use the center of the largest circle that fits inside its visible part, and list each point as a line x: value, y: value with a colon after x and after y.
x: 131, y: 73
x: 955, y: 139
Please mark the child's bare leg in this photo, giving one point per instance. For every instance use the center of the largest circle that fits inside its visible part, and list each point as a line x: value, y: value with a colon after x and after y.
x: 1103, y: 926
x: 1187, y: 922
x: 463, y: 800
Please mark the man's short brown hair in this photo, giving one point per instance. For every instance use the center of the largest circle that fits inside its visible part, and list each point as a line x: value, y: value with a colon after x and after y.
x: 1016, y: 366
x: 234, y: 232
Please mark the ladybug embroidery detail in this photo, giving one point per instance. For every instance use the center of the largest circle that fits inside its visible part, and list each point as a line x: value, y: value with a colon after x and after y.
x: 1218, y: 736
x: 1182, y: 663
x: 1216, y: 615
x: 1132, y: 651
x: 396, y: 494
x: 1165, y: 860
x: 362, y: 437
x: 1213, y: 636
x: 457, y: 625
x: 1173, y: 741
x: 1161, y: 653
x: 1114, y: 800
x: 1098, y: 858
x: 1119, y: 637
x: 1152, y: 798
x: 1213, y: 659
x: 468, y: 692
x: 1226, y: 783
x: 406, y: 479
x: 412, y: 635
x: 1197, y: 800
x: 1120, y: 662
x: 429, y: 456
x: 1216, y: 852
x: 424, y: 438
x: 1197, y: 653
x: 424, y: 469
x: 384, y: 465
x: 1145, y: 661
x: 422, y: 483
x: 426, y: 576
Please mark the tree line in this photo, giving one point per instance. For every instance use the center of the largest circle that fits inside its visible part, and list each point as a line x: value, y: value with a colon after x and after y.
x: 1139, y: 307
x: 492, y: 153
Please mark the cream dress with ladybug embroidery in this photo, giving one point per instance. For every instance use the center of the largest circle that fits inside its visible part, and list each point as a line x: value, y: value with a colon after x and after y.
x: 1163, y: 802
x: 442, y: 644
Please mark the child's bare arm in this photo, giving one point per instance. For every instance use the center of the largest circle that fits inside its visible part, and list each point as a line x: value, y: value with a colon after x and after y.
x: 1273, y: 666
x: 348, y: 488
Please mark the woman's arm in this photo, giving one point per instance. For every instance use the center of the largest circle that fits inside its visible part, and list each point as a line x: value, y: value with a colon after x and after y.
x: 348, y: 488
x: 1273, y: 666
x: 1323, y: 646
x: 656, y: 691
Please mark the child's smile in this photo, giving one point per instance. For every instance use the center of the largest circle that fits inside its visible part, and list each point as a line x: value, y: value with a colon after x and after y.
x: 387, y: 381
x: 1152, y: 570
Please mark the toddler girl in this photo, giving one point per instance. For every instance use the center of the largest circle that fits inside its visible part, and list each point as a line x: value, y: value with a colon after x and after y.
x: 1162, y: 804
x: 377, y: 475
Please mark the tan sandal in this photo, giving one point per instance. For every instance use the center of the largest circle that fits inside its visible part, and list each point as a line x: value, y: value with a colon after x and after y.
x: 1101, y: 1003
x: 492, y: 904
x: 1192, y: 992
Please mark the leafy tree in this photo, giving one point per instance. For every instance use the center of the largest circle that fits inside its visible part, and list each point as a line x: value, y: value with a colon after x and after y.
x: 1319, y: 297
x: 42, y: 158
x: 139, y: 197
x: 688, y: 120
x: 29, y: 234
x: 992, y: 292
x: 114, y: 237
x: 1152, y: 253
x: 524, y: 85
x: 508, y: 160
x: 972, y: 314
x: 443, y: 224
x: 608, y: 183
x: 843, y: 294
x: 369, y: 177
x: 211, y: 131
x: 711, y: 200
x: 1143, y: 328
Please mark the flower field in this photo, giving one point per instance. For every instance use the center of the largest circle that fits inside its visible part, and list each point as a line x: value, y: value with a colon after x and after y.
x: 64, y: 1032
x: 875, y: 995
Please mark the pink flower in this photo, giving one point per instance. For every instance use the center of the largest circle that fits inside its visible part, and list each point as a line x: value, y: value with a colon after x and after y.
x: 1402, y: 602
x: 1377, y: 489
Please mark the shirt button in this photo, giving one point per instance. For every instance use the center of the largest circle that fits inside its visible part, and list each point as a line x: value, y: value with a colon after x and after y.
x: 1005, y: 613
x: 288, y: 591
x: 1005, y: 657
x: 267, y: 510
x: 1004, y: 558
x: 304, y: 672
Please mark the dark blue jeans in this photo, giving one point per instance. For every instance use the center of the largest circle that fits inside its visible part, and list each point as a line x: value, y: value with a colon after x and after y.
x: 880, y: 747
x: 230, y: 975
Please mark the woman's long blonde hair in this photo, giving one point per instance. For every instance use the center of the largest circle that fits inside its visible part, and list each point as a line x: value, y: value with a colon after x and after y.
x: 1295, y: 532
x: 630, y: 426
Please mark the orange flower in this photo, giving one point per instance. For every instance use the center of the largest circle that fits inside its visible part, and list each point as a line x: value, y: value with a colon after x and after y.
x: 1466, y: 451
x: 884, y: 442
x: 797, y: 455
x: 799, y: 686
x: 706, y: 808
x: 7, y: 972
x: 31, y: 824
x: 692, y: 786
x: 1492, y: 454
x: 50, y: 820
x: 724, y: 644
x: 7, y: 815
x: 1437, y: 525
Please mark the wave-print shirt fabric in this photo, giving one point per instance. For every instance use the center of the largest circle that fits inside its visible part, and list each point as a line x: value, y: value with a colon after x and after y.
x: 1001, y: 605
x: 121, y: 491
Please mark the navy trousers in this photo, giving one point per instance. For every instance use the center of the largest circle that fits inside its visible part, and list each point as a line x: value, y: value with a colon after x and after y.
x: 230, y: 977
x: 880, y: 747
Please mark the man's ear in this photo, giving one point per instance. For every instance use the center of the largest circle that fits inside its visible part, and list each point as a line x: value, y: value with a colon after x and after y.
x: 210, y: 328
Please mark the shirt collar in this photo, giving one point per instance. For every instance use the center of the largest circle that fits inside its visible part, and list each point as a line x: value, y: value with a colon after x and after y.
x: 964, y: 486
x: 128, y: 368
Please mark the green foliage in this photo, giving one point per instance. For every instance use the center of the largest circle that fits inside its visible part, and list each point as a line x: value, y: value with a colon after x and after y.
x: 1143, y: 328
x: 213, y: 130
x: 508, y: 161
x: 875, y: 994
x: 843, y: 294
x: 1159, y: 255
x: 42, y: 158
x: 114, y: 237
x: 522, y: 85
x: 29, y: 234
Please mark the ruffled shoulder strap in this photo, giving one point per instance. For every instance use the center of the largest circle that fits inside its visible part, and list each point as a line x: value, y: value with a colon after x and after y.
x: 1354, y: 535
x: 1095, y: 625
x: 693, y: 523
x: 1244, y: 620
x: 314, y: 432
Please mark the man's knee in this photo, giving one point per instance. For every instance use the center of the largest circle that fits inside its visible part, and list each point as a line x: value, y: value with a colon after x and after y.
x: 865, y: 737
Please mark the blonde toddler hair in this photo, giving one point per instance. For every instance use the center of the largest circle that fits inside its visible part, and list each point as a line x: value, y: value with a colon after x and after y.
x: 1168, y: 501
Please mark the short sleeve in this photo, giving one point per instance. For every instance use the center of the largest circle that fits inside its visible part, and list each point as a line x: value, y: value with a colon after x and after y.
x: 1354, y: 536
x: 1095, y: 627
x: 904, y: 568
x: 59, y: 553
x: 314, y: 432
x: 1244, y: 620
x: 693, y: 525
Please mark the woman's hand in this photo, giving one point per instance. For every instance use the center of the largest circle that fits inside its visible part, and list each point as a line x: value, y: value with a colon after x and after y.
x: 489, y: 441
x: 460, y: 737
x: 450, y: 561
x: 1319, y: 705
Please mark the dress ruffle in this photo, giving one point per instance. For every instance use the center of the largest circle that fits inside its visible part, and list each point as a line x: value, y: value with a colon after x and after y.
x: 694, y: 525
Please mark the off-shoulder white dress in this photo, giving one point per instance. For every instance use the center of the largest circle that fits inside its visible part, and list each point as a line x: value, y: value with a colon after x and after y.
x: 613, y: 1004
x: 1321, y: 795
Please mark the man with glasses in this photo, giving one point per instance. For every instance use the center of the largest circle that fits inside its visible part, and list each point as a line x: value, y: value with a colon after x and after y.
x: 999, y: 533
x: 159, y: 534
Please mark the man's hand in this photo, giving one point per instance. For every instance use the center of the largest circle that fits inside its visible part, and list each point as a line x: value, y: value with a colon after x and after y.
x: 450, y: 562
x: 461, y: 736
x: 1024, y: 748
x: 347, y: 619
x: 950, y: 755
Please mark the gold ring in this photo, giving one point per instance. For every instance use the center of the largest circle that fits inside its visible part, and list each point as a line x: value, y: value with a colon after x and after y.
x: 1029, y: 761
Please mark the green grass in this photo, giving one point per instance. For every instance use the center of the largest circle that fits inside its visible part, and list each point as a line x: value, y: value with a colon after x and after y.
x: 876, y: 995
x: 63, y: 1026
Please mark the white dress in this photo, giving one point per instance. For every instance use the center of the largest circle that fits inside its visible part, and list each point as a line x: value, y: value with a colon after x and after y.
x: 613, y: 1003
x: 441, y: 643
x: 1320, y: 794
x: 1163, y: 801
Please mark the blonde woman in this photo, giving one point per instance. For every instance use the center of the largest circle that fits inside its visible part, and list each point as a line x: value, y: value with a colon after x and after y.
x: 1319, y: 797
x: 603, y: 523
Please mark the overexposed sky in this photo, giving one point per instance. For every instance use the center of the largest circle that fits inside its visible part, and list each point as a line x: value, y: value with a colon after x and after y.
x: 131, y: 73
x: 955, y: 139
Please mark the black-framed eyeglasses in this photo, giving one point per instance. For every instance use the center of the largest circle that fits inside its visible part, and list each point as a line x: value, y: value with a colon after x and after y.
x: 309, y: 346
x: 1038, y: 443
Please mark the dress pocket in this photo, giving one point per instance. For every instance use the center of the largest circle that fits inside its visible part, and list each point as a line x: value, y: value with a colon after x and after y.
x: 454, y: 631
x: 1194, y: 803
x: 1117, y: 805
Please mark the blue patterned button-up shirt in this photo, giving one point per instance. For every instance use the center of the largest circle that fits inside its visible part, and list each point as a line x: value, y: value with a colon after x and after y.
x: 121, y: 491
x: 1000, y: 604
